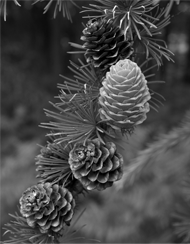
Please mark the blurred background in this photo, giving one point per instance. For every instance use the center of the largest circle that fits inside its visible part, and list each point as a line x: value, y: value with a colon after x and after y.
x: 34, y: 50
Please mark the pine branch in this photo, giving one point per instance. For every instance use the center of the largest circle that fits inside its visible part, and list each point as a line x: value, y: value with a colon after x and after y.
x: 177, y: 138
x: 88, y: 113
x: 75, y: 122
x: 137, y: 22
x: 154, y: 46
x: 131, y: 15
x: 22, y: 233
x: 85, y: 80
x: 52, y: 164
x: 169, y: 6
x: 182, y: 213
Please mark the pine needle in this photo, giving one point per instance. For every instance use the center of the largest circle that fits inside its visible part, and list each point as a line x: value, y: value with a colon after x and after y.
x: 60, y: 5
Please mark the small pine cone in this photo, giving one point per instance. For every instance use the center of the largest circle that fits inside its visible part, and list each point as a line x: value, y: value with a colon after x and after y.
x: 105, y: 43
x: 124, y: 96
x: 48, y: 207
x: 96, y: 165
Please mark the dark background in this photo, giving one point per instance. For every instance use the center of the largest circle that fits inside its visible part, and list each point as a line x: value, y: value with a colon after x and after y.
x: 33, y: 53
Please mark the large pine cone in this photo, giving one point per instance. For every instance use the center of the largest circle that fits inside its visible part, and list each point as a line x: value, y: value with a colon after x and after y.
x: 48, y: 207
x: 124, y: 96
x: 96, y: 165
x: 105, y: 43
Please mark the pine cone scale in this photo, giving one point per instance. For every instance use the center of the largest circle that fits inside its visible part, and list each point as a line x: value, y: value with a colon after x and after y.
x: 30, y: 221
x: 43, y: 221
x: 92, y: 176
x: 91, y: 38
x: 39, y: 215
x: 103, y: 178
x: 115, y: 176
x: 110, y: 39
x: 85, y: 181
x: 100, y: 31
x: 116, y: 162
x: 97, y: 166
x: 62, y: 204
x: 47, y: 211
x: 105, y: 155
x: 53, y: 214
x: 99, y: 56
x: 55, y: 222
x: 107, y: 166
x: 84, y: 171
x: 65, y: 210
x: 46, y: 227
x: 68, y: 216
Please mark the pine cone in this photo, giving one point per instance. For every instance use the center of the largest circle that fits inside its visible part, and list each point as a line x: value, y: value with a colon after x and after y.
x: 105, y: 44
x: 49, y: 207
x: 124, y: 95
x: 96, y: 165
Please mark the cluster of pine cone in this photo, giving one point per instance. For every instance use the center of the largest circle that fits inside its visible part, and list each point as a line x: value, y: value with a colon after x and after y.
x: 90, y: 165
x: 66, y: 171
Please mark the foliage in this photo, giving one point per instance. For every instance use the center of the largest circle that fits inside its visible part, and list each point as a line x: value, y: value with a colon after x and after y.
x: 60, y: 5
x: 169, y: 5
x: 21, y: 232
x: 155, y: 151
x: 94, y: 110
x: 52, y: 163
x: 181, y: 215
x: 155, y: 47
x: 137, y: 22
x: 3, y: 7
